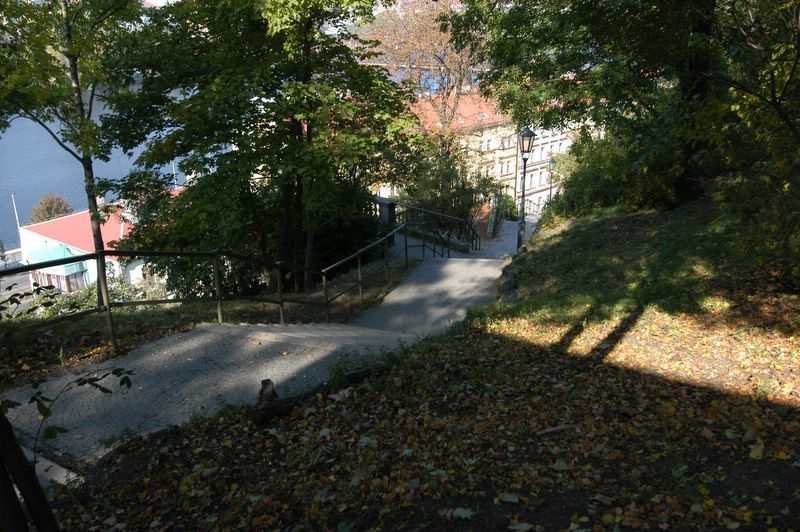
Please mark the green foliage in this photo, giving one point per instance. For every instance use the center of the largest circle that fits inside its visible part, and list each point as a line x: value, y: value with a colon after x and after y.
x: 312, y: 128
x: 15, y: 306
x: 627, y: 169
x: 443, y: 182
x: 60, y: 304
x: 765, y: 197
x: 507, y: 207
x: 686, y: 93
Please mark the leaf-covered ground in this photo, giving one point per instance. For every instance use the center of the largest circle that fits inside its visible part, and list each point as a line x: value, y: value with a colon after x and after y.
x: 634, y: 374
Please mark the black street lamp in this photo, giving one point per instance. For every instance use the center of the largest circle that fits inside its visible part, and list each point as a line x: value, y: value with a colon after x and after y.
x: 525, y: 142
x: 552, y: 165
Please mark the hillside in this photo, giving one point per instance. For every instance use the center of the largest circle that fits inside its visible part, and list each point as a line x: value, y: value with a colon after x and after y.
x: 636, y: 372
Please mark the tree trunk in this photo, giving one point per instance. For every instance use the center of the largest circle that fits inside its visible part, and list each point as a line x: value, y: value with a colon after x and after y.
x: 86, y: 158
x: 282, y: 252
x: 308, y: 279
x: 299, y: 240
x: 309, y: 261
x: 97, y: 236
x: 695, y: 88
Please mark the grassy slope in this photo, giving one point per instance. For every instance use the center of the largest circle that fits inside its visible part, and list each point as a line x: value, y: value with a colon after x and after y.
x: 635, y: 372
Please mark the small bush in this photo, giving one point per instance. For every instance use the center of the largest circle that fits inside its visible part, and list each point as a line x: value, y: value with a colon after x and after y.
x: 86, y: 298
x: 506, y: 207
x: 442, y: 181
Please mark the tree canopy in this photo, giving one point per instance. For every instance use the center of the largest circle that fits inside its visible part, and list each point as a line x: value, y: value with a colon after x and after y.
x: 687, y: 92
x: 413, y: 45
x: 271, y: 112
x: 52, y: 72
x: 50, y: 206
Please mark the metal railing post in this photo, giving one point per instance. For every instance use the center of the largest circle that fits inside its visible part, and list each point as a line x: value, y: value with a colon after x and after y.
x: 360, y: 288
x: 102, y: 286
x: 279, y: 275
x: 448, y: 244
x: 325, y: 292
x: 424, y: 240
x: 218, y: 285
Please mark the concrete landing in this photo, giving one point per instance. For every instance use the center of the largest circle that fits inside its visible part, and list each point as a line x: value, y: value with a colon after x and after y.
x: 195, y: 373
x: 436, y: 294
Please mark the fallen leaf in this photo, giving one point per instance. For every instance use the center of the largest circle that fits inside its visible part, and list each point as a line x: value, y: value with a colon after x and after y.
x: 757, y: 450
x: 463, y: 513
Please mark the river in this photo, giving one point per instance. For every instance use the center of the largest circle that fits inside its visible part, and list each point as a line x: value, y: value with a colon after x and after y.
x: 32, y: 164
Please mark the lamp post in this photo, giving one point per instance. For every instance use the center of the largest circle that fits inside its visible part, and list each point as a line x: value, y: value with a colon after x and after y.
x: 552, y: 166
x: 525, y: 141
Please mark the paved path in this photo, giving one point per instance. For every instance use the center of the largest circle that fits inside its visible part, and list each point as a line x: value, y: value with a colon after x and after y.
x: 502, y: 246
x: 436, y: 294
x: 197, y: 372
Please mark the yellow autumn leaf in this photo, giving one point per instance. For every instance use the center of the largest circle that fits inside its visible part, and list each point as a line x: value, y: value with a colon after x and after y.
x: 228, y: 443
x: 757, y: 450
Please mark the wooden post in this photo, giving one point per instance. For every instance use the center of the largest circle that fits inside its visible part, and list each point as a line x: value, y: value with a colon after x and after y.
x: 386, y: 263
x: 360, y: 288
x: 279, y: 272
x: 405, y: 245
x: 102, y: 288
x: 218, y: 285
x: 23, y: 475
x: 12, y: 518
x: 325, y: 292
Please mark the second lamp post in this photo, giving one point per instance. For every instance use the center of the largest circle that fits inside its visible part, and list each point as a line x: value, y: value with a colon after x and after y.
x: 525, y: 142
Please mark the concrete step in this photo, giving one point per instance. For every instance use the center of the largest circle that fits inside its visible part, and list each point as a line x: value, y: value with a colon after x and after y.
x: 195, y: 373
x: 436, y: 294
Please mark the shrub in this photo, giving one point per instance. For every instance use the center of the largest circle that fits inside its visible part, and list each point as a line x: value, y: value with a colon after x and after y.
x: 507, y: 207
x: 86, y: 298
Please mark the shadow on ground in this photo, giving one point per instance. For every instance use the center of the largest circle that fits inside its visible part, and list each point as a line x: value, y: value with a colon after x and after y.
x: 474, y: 431
x: 635, y: 374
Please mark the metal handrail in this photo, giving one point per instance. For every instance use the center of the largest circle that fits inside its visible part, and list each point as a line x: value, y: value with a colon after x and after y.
x: 149, y: 253
x: 46, y: 264
x: 435, y: 213
x: 364, y: 249
x: 218, y: 296
x: 473, y: 239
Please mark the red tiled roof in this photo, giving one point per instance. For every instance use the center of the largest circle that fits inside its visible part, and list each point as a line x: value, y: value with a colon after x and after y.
x: 473, y: 111
x: 75, y: 230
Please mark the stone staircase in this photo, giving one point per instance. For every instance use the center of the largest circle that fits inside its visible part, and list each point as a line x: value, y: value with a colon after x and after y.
x: 195, y: 373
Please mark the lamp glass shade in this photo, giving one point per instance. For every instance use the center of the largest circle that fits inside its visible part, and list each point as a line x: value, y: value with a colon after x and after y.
x: 525, y: 140
x: 552, y: 164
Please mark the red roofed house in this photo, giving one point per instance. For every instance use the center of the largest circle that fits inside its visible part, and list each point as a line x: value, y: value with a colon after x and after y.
x: 490, y: 139
x: 70, y: 236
